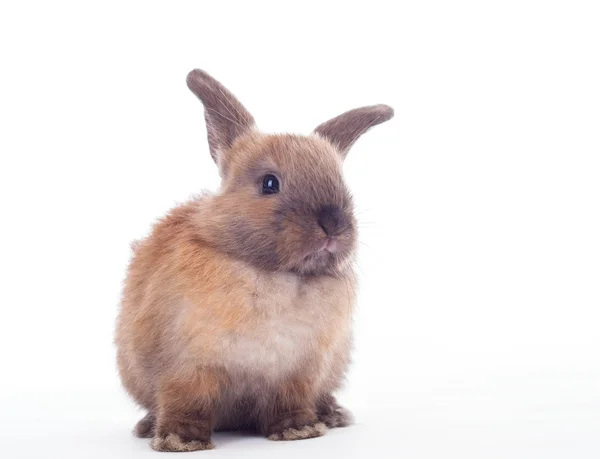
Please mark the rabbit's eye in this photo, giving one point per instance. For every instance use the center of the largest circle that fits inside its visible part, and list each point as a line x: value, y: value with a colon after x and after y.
x: 270, y: 184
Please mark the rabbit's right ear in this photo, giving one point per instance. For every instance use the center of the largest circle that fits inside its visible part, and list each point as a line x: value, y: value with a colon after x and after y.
x: 226, y: 118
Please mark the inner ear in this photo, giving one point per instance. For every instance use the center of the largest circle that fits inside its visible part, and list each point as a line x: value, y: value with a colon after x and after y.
x: 226, y: 117
x: 343, y: 130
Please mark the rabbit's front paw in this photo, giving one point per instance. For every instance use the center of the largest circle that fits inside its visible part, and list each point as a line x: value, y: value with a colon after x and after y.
x: 173, y: 442
x: 297, y: 426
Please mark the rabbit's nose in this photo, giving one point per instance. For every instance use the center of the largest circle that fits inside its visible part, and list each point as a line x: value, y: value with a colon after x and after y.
x: 332, y: 220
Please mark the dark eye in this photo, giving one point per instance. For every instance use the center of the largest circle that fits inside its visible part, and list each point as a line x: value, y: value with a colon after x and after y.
x: 270, y: 184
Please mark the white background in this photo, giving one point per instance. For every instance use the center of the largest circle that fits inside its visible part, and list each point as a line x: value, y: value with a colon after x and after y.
x: 477, y: 324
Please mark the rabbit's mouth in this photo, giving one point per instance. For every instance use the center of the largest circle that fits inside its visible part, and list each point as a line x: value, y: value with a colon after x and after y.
x: 325, y: 256
x: 329, y: 245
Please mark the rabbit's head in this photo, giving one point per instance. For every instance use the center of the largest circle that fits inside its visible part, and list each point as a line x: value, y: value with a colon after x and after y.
x: 283, y: 204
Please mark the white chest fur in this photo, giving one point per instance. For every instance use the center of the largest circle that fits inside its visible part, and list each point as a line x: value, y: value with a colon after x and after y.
x: 277, y: 325
x: 287, y: 320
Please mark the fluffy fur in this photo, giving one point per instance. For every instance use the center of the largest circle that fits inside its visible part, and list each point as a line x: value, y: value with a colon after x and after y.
x: 236, y: 310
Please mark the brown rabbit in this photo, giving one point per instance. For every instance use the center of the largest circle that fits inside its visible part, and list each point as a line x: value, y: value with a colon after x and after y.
x: 236, y: 311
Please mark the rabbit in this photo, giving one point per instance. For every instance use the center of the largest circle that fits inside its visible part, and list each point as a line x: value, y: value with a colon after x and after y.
x: 236, y: 310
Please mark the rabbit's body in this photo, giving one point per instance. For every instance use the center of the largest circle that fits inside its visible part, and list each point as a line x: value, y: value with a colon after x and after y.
x: 256, y: 328
x: 237, y: 308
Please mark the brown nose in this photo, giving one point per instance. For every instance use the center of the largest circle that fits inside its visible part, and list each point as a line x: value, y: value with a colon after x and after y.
x: 332, y: 220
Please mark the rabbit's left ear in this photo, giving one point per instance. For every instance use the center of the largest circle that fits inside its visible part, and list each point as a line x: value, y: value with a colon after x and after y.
x: 343, y: 130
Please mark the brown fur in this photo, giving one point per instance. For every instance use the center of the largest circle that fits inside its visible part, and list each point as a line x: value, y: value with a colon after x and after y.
x: 234, y: 315
x: 332, y: 414
x: 145, y: 426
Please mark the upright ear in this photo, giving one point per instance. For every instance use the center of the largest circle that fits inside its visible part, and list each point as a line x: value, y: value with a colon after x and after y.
x: 345, y: 129
x: 226, y: 118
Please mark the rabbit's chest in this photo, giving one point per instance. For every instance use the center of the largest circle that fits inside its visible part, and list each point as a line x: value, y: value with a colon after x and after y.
x: 283, y: 327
